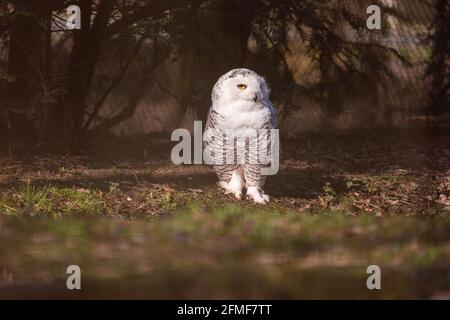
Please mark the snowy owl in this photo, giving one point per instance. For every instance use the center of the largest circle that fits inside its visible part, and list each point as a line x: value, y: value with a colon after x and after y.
x: 238, y: 132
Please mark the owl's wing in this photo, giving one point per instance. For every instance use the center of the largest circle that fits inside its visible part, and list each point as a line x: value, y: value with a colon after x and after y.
x: 214, y: 141
x: 221, y: 147
x: 210, y: 127
x: 262, y: 147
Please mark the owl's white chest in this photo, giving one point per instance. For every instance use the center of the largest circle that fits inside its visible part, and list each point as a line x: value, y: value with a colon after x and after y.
x: 242, y: 115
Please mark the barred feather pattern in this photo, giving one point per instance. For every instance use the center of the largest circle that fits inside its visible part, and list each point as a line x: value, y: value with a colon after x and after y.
x: 237, y: 136
x: 230, y: 151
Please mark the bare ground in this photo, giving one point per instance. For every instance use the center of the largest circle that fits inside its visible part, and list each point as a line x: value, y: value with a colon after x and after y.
x: 399, y: 172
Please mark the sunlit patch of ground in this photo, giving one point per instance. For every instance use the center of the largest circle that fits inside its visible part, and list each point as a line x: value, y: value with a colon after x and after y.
x: 405, y: 173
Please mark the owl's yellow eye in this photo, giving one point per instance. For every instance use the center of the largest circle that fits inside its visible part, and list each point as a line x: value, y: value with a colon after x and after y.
x: 242, y: 86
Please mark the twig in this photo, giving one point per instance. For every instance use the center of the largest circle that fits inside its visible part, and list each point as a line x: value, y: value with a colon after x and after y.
x: 10, y: 167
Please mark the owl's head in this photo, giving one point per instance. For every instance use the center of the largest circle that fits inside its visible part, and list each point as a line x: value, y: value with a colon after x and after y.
x: 240, y: 85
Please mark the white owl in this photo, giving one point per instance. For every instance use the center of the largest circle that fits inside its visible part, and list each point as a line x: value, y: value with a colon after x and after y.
x: 241, y: 118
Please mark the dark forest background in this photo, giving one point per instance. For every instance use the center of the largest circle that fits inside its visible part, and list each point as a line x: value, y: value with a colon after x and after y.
x: 139, y: 66
x: 86, y: 176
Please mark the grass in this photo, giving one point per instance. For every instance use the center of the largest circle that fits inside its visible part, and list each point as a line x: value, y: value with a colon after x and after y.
x: 154, y: 200
x: 229, y: 251
x: 51, y: 200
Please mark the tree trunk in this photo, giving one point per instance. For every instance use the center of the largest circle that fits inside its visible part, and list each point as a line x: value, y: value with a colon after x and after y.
x: 29, y: 65
x: 85, y: 53
x: 439, y: 67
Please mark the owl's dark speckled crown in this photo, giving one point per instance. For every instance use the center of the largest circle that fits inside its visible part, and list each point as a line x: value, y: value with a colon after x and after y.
x: 229, y: 75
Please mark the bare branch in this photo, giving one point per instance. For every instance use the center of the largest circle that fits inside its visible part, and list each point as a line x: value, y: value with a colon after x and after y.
x: 114, y: 83
x: 136, y: 96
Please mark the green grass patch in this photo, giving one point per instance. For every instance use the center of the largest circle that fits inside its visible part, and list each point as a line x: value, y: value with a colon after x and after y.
x: 51, y: 200
x: 224, y: 250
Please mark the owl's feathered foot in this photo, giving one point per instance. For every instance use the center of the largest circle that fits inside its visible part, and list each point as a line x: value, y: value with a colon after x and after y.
x: 236, y: 193
x: 234, y: 186
x: 258, y: 196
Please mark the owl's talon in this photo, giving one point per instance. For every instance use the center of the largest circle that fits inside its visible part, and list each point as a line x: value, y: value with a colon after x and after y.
x: 257, y: 196
x: 223, y: 185
x: 234, y: 186
x: 236, y: 194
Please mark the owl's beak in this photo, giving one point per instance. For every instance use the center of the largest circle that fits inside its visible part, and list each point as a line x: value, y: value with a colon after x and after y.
x: 255, y: 97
